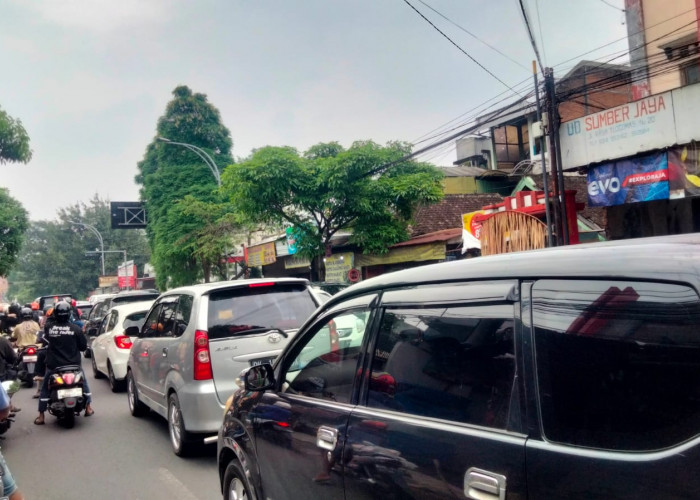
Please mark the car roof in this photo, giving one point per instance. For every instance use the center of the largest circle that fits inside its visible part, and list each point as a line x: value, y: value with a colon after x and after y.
x: 204, y: 288
x: 664, y: 258
x: 132, y: 307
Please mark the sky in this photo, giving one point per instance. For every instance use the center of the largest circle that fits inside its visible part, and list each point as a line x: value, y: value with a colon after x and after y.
x: 89, y: 78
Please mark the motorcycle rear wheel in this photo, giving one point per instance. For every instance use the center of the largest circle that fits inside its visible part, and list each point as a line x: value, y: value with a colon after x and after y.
x: 68, y: 419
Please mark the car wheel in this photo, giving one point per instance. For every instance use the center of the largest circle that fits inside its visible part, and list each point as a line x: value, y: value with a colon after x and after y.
x: 114, y: 384
x: 136, y: 407
x: 236, y: 485
x: 180, y: 439
x: 96, y: 373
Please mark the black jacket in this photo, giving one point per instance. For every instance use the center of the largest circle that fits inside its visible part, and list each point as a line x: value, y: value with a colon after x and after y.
x: 8, y: 358
x: 65, y: 342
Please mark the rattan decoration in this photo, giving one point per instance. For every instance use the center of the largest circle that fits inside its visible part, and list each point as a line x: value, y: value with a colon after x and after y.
x: 510, y: 231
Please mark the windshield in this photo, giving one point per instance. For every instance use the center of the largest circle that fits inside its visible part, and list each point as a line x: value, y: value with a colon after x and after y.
x: 239, y: 310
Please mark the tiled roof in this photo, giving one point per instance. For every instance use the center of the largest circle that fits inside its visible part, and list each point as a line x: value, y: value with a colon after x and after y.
x: 447, y: 214
x: 442, y: 235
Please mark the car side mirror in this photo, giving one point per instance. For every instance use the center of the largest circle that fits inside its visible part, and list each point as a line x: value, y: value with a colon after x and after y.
x: 259, y: 378
x: 132, y: 331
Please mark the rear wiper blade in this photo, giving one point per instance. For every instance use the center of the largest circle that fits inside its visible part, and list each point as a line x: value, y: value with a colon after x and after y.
x: 261, y: 329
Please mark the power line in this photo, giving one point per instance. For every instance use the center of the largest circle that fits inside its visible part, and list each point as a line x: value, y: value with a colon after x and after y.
x: 473, y: 35
x: 458, y: 47
x: 539, y: 28
x: 613, y: 6
x: 529, y: 33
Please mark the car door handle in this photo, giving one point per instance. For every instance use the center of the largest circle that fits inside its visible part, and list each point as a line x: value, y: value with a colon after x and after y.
x: 481, y: 484
x: 165, y: 352
x: 326, y: 438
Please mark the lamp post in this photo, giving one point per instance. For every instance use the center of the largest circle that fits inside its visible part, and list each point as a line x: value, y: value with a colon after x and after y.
x: 209, y: 162
x: 99, y: 237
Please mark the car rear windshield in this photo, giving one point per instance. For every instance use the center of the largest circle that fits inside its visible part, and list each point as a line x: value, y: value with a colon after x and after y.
x: 135, y: 319
x: 239, y: 310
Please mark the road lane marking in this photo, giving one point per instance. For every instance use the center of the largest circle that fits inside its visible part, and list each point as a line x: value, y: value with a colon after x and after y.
x: 175, y: 486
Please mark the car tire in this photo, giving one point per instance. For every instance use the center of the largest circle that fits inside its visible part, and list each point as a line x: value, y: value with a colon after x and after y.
x: 136, y: 407
x: 236, y: 485
x: 95, y: 372
x: 114, y: 384
x: 180, y: 439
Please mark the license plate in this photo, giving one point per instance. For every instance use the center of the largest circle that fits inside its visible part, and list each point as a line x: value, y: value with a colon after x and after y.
x: 261, y: 361
x: 76, y: 392
x: 29, y: 359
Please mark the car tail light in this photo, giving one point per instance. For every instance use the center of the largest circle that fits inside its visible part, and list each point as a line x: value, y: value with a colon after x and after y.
x: 31, y: 351
x: 266, y: 283
x: 202, y: 361
x: 123, y: 341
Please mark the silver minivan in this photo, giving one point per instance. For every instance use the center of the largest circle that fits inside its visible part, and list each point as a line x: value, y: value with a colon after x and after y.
x: 197, y: 339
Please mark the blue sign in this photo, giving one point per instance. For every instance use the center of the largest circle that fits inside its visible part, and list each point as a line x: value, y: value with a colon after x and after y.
x: 291, y: 240
x: 629, y: 181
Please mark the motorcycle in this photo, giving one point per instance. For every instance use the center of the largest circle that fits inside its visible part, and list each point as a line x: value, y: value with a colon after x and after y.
x: 10, y: 386
x: 66, y: 398
x: 26, y: 362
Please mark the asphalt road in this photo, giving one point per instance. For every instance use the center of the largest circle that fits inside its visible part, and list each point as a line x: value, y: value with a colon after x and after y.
x: 108, y: 455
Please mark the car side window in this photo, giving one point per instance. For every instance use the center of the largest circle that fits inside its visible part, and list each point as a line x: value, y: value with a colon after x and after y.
x: 325, y: 365
x: 150, y: 326
x: 113, y: 318
x: 184, y: 311
x: 103, y: 325
x: 167, y: 317
x: 618, y: 363
x: 454, y: 363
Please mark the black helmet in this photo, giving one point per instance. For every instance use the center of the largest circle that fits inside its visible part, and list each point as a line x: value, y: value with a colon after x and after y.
x: 15, y: 308
x: 27, y: 314
x: 61, y: 312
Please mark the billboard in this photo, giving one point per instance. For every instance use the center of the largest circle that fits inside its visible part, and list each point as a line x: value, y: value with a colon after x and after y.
x: 629, y: 181
x: 126, y: 275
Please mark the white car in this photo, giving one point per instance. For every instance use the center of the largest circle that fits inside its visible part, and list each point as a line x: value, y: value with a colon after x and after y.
x: 110, y: 348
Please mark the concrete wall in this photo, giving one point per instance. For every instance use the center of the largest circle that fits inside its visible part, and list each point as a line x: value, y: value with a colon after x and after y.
x: 459, y: 185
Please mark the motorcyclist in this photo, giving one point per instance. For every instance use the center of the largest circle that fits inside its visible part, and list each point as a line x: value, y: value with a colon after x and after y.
x: 11, y: 317
x: 9, y: 487
x: 8, y: 359
x: 65, y: 342
x: 25, y: 333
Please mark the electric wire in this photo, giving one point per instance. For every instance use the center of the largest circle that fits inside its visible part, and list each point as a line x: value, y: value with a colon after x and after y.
x: 530, y: 35
x: 613, y: 6
x: 458, y: 47
x: 473, y: 35
x: 539, y: 28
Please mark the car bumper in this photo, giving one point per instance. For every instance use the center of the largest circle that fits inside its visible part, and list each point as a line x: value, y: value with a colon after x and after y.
x: 200, y: 407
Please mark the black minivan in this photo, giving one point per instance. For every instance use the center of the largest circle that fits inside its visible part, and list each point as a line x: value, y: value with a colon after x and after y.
x: 561, y: 373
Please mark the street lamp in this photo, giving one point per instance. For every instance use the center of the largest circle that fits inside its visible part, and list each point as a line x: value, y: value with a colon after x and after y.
x: 209, y: 163
x: 99, y: 237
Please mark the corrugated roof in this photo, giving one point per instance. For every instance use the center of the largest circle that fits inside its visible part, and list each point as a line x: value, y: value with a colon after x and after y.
x: 443, y: 235
x: 462, y: 171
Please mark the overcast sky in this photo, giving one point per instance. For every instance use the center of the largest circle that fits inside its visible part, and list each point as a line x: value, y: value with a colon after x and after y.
x: 89, y: 78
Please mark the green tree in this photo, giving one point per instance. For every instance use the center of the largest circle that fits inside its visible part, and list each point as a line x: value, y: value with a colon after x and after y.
x: 14, y: 141
x: 53, y: 257
x: 168, y: 173
x: 329, y: 188
x: 13, y: 224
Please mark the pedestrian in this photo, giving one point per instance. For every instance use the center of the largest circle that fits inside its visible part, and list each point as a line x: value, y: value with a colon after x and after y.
x: 9, y: 486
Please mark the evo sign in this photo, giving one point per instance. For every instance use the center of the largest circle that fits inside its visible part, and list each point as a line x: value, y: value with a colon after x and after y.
x: 629, y: 181
x: 655, y: 122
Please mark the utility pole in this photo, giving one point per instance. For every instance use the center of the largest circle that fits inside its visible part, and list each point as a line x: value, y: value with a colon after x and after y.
x: 561, y: 223
x: 541, y: 142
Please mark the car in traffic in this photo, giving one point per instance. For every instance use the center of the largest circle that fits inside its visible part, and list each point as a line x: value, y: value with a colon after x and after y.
x: 111, y: 345
x: 196, y: 340
x: 46, y: 301
x: 559, y: 373
x: 93, y: 321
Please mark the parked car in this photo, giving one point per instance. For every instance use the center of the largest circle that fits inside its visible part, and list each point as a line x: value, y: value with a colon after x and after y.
x: 562, y: 373
x: 197, y: 339
x: 110, y: 348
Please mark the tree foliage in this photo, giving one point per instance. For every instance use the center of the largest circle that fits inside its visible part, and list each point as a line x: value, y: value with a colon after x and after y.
x: 13, y: 224
x: 329, y: 188
x: 53, y: 257
x: 168, y: 174
x: 14, y: 140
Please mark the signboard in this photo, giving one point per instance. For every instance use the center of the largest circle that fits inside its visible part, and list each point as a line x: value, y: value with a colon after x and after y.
x: 338, y: 266
x: 629, y: 181
x: 261, y: 255
x: 127, y: 214
x: 296, y: 262
x: 107, y: 281
x: 281, y: 247
x: 626, y: 130
x: 471, y: 231
x: 291, y: 240
x: 126, y: 275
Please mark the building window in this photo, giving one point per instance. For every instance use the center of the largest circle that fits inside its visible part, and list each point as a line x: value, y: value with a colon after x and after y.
x: 690, y: 73
x: 512, y: 144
